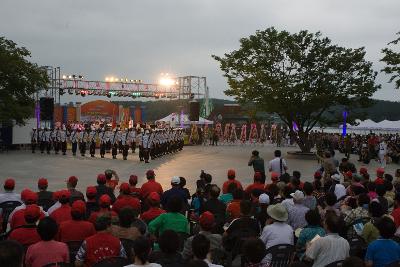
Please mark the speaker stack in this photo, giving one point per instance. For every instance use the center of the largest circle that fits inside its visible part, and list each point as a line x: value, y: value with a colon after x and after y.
x: 46, y: 108
x: 194, y: 110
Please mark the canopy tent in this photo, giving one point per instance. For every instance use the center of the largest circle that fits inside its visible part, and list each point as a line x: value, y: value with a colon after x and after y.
x: 371, y: 125
x: 178, y: 119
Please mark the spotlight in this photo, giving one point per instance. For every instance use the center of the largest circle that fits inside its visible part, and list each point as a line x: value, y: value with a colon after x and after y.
x: 107, y: 79
x: 131, y: 81
x: 64, y: 77
x: 126, y: 80
x: 69, y: 77
x: 111, y: 79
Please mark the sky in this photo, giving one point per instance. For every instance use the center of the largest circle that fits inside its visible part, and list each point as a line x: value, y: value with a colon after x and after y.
x: 142, y: 39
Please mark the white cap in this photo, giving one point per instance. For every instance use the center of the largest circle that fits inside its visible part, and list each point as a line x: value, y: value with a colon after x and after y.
x: 298, y: 195
x: 176, y: 180
x: 263, y: 199
x: 336, y: 177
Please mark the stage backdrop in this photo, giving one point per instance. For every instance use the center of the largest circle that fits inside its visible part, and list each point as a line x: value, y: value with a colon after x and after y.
x: 99, y: 110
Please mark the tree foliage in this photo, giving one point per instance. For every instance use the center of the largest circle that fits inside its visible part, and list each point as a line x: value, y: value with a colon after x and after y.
x: 19, y: 81
x: 299, y: 76
x: 392, y: 60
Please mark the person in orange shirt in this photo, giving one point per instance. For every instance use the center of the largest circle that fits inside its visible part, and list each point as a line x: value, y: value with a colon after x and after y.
x: 257, y: 184
x: 233, y: 208
x: 111, y: 183
x: 231, y: 179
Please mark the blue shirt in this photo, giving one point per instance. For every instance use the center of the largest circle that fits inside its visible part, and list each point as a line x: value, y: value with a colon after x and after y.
x: 174, y: 191
x: 383, y: 252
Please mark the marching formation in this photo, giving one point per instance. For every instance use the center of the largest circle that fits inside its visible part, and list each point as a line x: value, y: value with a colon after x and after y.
x: 151, y: 143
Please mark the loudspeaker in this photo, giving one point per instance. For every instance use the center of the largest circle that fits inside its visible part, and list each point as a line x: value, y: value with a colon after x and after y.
x: 194, y: 110
x: 46, y: 108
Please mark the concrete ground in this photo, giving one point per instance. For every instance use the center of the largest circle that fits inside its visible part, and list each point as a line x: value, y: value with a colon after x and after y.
x: 26, y: 167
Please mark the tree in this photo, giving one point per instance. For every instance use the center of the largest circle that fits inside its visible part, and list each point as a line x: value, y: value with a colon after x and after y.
x: 392, y: 60
x: 19, y: 81
x: 301, y: 77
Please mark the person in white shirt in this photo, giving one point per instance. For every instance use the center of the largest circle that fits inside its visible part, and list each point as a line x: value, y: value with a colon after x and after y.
x: 297, y: 212
x: 9, y: 194
x: 278, y: 164
x: 329, y: 248
x: 382, y: 153
x: 201, y: 249
x: 142, y: 249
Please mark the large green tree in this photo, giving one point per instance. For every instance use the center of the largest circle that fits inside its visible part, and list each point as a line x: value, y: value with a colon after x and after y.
x: 302, y: 77
x: 19, y: 81
x: 392, y: 60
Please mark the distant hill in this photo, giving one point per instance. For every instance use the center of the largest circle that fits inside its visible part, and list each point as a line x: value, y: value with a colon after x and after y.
x: 380, y: 110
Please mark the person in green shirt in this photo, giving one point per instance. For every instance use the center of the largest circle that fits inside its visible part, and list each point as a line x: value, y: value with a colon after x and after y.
x: 228, y: 197
x: 172, y: 220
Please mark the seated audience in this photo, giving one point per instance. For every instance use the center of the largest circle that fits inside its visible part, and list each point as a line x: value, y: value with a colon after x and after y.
x: 141, y: 250
x: 125, y: 199
x: 104, y: 203
x: 175, y: 191
x: 151, y: 185
x: 45, y: 197
x: 91, y: 203
x: 370, y: 232
x: 168, y: 255
x: 296, y: 213
x: 125, y: 229
x: 63, y: 213
x: 254, y: 252
x: 201, y: 249
x: 216, y: 207
x: 11, y: 253
x: 72, y: 182
x: 9, y: 194
x: 135, y: 191
x: 312, y: 229
x: 103, y: 189
x: 27, y: 234
x: 231, y: 180
x: 153, y: 201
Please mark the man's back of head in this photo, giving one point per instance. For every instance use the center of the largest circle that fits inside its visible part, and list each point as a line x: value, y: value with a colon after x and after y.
x: 200, y: 246
x: 278, y: 153
x: 11, y: 253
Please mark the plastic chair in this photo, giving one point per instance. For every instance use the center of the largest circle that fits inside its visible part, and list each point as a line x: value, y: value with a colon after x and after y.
x: 335, y: 264
x: 73, y: 247
x: 112, y: 262
x: 281, y: 255
x: 7, y: 207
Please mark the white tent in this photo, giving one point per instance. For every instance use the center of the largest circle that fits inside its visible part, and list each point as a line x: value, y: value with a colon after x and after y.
x: 177, y: 119
x: 371, y: 125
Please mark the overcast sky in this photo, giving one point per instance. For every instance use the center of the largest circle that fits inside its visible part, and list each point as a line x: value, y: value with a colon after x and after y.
x: 141, y: 39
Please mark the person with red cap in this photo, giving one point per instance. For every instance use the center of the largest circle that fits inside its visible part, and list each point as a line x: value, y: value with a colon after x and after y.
x: 379, y: 176
x: 45, y: 198
x: 76, y: 229
x: 17, y: 217
x: 9, y: 194
x: 104, y: 203
x: 231, y: 179
x: 364, y: 173
x: 153, y: 200
x: 27, y: 234
x: 257, y: 184
x: 102, y: 188
x: 206, y: 222
x: 111, y: 182
x: 99, y: 246
x: 135, y: 191
x: 75, y: 194
x: 91, y: 204
x: 274, y: 180
x: 63, y: 213
x: 151, y: 185
x: 126, y: 200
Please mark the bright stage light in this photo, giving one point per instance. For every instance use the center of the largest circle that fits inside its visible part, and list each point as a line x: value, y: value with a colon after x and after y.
x: 111, y: 79
x: 166, y: 81
x: 107, y: 79
x: 64, y: 77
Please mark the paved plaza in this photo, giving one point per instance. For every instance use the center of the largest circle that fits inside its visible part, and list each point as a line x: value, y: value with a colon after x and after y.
x: 26, y: 167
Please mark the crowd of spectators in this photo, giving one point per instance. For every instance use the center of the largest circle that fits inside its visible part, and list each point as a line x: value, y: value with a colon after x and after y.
x: 351, y: 216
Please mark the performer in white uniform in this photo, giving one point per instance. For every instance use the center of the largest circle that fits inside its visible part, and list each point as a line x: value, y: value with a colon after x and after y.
x: 382, y: 153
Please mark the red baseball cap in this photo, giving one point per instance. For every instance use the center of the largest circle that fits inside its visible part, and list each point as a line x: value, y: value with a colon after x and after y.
x: 56, y: 195
x: 101, y: 178
x: 231, y: 172
x: 206, y: 220
x: 31, y: 197
x: 9, y: 183
x: 363, y: 170
x: 150, y: 173
x: 379, y: 181
x: 154, y: 197
x: 42, y: 182
x: 24, y: 194
x: 32, y: 211
x: 125, y: 188
x: 274, y: 176
x: 133, y: 179
x: 91, y: 191
x: 64, y: 194
x: 257, y: 176
x: 380, y: 171
x: 79, y: 206
x: 349, y: 174
x: 317, y: 174
x: 105, y: 200
x: 73, y: 180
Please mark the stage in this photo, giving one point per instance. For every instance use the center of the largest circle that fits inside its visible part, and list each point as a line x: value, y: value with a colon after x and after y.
x: 26, y: 167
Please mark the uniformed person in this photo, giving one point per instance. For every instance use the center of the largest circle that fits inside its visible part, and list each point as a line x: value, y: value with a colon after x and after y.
x: 103, y: 142
x: 92, y: 141
x: 56, y: 140
x: 114, y: 143
x: 125, y: 143
x: 83, y: 138
x: 47, y: 137
x: 132, y: 139
x: 63, y: 140
x: 74, y: 140
x: 34, y: 139
x: 146, y: 145
x: 109, y: 134
x: 139, y: 138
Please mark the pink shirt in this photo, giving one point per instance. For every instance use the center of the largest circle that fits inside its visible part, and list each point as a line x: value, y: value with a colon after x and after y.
x: 45, y: 252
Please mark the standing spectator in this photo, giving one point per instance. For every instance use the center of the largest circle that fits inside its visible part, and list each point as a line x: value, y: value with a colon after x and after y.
x: 258, y: 164
x: 105, y: 211
x: 216, y: 207
x: 12, y: 253
x: 63, y: 213
x: 168, y: 254
x: 297, y: 212
x: 206, y: 222
x: 126, y: 200
x: 384, y: 250
x: 27, y: 234
x: 47, y: 250
x: 100, y: 246
x: 231, y: 180
x: 153, y: 200
x: 45, y: 198
x: 277, y: 231
x: 151, y: 185
x: 102, y: 188
x: 278, y: 164
x: 135, y: 191
x: 125, y: 229
x: 328, y: 165
x: 329, y: 248
x: 75, y: 194
x: 9, y: 195
x: 76, y: 229
x: 257, y: 184
x: 175, y: 191
x: 173, y: 219
x: 312, y: 229
x: 201, y: 249
x: 142, y: 249
x: 91, y: 204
